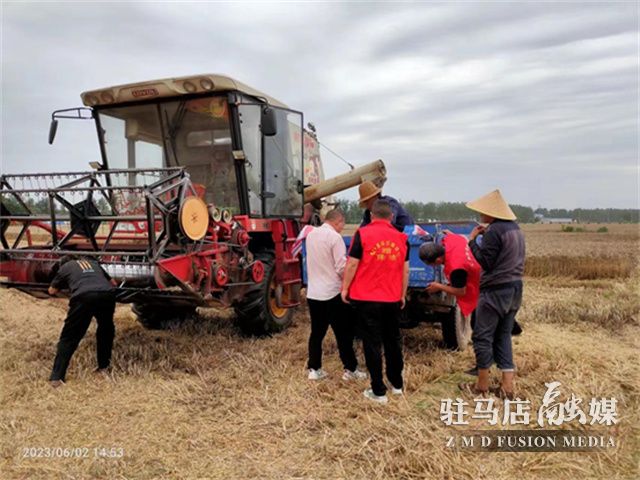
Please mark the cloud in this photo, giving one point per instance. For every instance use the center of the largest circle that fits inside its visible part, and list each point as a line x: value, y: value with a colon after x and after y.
x: 540, y: 100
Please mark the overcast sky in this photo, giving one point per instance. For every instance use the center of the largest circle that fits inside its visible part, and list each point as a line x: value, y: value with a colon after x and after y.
x: 537, y: 99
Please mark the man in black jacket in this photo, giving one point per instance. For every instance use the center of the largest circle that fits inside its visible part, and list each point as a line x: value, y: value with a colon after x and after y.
x: 501, y: 256
x: 92, y: 295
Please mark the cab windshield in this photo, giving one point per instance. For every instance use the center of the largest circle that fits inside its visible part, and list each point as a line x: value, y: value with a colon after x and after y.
x: 191, y: 133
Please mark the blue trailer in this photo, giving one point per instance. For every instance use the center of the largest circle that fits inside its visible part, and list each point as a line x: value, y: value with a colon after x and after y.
x: 439, y: 307
x: 424, y: 307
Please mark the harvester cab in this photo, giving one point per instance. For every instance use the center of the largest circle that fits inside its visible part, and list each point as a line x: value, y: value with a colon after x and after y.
x: 197, y: 200
x: 241, y: 148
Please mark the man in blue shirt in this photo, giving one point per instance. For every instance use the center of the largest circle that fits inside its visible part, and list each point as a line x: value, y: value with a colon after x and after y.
x: 369, y: 193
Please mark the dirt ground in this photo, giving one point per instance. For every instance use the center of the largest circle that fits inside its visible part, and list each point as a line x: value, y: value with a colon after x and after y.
x: 202, y: 401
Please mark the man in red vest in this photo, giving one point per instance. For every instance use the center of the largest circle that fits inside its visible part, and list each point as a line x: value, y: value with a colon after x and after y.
x: 460, y: 267
x: 375, y: 282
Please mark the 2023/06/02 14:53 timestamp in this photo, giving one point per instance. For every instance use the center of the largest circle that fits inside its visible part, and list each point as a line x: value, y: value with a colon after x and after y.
x: 72, y: 452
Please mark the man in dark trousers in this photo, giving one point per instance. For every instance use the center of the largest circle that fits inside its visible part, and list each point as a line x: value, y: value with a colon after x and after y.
x: 326, y: 259
x: 501, y: 256
x: 92, y: 295
x: 369, y: 193
x: 463, y: 284
x: 375, y: 282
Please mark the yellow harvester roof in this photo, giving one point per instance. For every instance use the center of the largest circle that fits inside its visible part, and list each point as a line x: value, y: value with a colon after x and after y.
x: 170, y: 87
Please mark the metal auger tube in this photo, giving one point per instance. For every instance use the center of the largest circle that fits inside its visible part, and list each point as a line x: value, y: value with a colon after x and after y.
x: 374, y: 172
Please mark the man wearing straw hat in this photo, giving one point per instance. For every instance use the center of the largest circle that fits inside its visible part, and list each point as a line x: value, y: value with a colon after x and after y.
x: 501, y: 256
x: 369, y: 193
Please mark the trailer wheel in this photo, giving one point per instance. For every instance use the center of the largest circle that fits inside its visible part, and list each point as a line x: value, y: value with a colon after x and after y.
x: 258, y: 313
x: 162, y: 317
x: 456, y: 329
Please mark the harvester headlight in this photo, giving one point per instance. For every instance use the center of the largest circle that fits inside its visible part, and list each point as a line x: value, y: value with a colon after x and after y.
x: 226, y: 216
x: 216, y: 213
x: 206, y: 84
x: 92, y: 100
x: 189, y: 87
x: 107, y: 97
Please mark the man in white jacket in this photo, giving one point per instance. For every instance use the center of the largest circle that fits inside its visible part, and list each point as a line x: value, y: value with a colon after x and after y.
x: 326, y: 259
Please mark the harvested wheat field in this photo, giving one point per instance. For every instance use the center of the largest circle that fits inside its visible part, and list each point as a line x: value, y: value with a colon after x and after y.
x: 202, y: 401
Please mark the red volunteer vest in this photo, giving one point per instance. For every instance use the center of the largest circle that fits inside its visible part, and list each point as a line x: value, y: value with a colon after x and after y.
x: 379, y: 274
x: 458, y: 256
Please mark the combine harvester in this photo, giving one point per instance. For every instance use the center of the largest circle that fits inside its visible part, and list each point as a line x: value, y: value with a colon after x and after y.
x: 203, y: 186
x: 197, y: 201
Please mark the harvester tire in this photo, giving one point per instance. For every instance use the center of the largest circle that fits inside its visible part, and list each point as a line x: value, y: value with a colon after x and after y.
x: 257, y: 313
x: 155, y: 317
x: 456, y: 330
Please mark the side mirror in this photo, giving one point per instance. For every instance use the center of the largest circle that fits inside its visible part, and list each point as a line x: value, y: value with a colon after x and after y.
x: 268, y: 122
x: 80, y: 113
x: 53, y: 128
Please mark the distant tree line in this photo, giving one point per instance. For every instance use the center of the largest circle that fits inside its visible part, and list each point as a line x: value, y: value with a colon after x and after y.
x: 432, y: 211
x: 593, y: 215
x: 421, y: 212
x: 41, y: 205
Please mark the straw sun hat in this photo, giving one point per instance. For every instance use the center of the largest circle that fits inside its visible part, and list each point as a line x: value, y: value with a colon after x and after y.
x: 494, y: 205
x: 367, y: 191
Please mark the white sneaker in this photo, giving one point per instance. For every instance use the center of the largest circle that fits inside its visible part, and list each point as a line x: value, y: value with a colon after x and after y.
x: 368, y: 393
x: 317, y: 374
x: 396, y: 391
x: 354, y: 375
